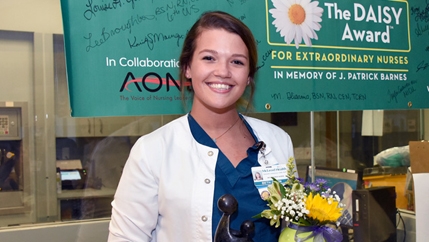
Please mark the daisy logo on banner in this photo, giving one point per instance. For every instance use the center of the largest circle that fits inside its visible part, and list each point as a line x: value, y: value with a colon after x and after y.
x: 297, y: 20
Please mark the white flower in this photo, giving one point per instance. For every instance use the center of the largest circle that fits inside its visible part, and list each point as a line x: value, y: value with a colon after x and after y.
x: 337, y: 198
x: 297, y: 20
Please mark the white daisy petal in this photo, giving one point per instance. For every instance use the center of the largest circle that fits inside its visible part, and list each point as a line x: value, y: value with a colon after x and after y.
x: 300, y: 26
x: 305, y: 2
x: 306, y: 30
x: 307, y: 40
x: 278, y: 4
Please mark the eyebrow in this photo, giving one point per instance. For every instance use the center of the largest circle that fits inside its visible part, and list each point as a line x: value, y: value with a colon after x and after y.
x: 215, y: 52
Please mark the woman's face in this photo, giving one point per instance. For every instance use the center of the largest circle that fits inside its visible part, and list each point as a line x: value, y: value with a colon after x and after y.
x: 219, y: 70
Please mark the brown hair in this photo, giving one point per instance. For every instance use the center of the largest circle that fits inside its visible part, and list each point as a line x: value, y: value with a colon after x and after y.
x: 219, y: 20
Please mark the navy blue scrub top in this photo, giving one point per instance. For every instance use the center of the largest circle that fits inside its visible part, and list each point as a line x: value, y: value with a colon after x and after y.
x: 237, y: 181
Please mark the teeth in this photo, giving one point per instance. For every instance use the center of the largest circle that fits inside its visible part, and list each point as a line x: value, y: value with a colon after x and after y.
x: 220, y: 86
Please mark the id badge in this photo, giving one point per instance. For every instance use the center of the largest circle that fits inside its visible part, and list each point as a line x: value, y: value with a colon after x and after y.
x: 262, y: 177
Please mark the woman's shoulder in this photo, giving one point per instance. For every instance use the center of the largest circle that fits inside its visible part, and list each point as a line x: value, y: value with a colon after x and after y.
x: 260, y: 124
x: 267, y: 131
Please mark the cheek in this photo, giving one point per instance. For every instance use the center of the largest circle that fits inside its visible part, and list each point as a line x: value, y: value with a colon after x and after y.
x: 244, y: 77
x: 199, y: 74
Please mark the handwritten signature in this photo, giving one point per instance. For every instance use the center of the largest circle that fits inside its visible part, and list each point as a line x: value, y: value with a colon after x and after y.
x: 420, y: 30
x: 265, y: 56
x: 92, y: 9
x: 105, y: 34
x: 152, y: 38
x: 406, y: 90
x: 184, y: 8
x: 421, y: 14
x: 422, y: 66
x: 231, y: 2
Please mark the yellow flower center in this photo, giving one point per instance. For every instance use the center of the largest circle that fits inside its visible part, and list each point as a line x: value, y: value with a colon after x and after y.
x: 296, y: 14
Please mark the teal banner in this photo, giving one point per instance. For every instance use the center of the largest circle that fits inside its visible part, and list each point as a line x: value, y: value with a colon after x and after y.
x: 122, y: 55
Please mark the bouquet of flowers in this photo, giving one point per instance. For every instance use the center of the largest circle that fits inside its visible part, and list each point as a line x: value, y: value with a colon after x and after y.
x: 303, y: 204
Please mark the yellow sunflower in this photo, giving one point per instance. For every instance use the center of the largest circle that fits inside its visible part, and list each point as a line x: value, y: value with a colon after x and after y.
x: 323, y: 209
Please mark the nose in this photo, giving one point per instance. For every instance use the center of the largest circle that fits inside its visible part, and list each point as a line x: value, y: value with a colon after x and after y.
x: 223, y: 69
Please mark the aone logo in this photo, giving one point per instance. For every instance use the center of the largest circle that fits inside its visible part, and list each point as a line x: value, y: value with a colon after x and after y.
x: 297, y: 20
x: 151, y: 82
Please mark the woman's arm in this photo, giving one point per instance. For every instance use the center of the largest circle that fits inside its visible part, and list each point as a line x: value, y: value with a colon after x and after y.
x: 135, y: 206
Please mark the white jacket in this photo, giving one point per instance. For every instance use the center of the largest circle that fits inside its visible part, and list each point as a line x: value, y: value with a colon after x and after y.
x: 166, y: 189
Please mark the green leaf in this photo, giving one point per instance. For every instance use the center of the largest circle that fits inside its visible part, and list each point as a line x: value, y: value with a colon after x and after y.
x: 279, y: 187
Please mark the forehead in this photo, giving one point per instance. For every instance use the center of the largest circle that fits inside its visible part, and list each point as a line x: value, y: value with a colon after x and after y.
x: 220, y: 38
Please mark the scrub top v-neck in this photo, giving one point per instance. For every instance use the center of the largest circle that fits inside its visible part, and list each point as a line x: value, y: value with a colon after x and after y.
x: 237, y: 181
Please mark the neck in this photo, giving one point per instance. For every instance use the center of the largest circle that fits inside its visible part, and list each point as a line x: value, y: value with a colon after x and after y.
x: 213, y: 121
x: 218, y: 126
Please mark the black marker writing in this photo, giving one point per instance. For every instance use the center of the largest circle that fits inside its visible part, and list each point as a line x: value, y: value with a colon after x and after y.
x: 265, y: 56
x: 406, y: 89
x: 422, y: 66
x: 172, y: 9
x: 421, y: 14
x: 152, y: 38
x: 95, y: 41
x: 421, y: 29
x: 92, y: 9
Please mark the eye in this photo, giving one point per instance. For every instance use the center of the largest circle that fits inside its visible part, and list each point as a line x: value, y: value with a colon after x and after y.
x: 238, y: 62
x: 207, y: 57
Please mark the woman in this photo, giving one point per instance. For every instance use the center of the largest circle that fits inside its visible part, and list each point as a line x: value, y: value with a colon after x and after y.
x: 258, y: 176
x: 175, y: 175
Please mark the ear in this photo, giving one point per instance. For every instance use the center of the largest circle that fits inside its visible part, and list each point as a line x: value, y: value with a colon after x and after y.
x: 188, y: 73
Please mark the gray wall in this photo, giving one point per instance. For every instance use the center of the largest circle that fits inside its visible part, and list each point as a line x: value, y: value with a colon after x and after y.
x: 88, y: 231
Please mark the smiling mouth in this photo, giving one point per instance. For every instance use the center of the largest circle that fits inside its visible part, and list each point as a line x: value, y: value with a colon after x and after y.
x: 220, y: 86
